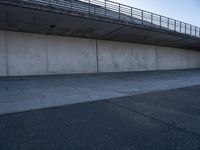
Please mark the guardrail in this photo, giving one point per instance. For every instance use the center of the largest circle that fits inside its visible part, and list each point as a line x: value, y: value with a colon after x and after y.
x: 121, y: 12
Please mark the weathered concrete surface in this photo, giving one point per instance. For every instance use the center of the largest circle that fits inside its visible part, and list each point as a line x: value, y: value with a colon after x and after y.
x: 27, y: 54
x: 170, y: 58
x: 28, y: 93
x: 193, y: 59
x: 35, y: 54
x: 57, y: 21
x: 24, y: 54
x: 71, y: 55
x: 174, y: 58
x: 3, y: 55
x: 119, y: 57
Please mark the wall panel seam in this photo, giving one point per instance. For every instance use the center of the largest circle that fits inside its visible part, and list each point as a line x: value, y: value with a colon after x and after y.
x: 47, y: 54
x: 97, y: 56
x: 156, y: 57
x: 6, y: 49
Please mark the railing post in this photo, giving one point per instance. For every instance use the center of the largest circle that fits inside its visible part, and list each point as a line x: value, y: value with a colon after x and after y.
x: 71, y: 4
x: 199, y: 32
x: 168, y: 23
x: 151, y: 18
x: 190, y: 30
x: 105, y: 7
x: 174, y: 25
x: 142, y: 17
x: 160, y: 21
x: 89, y: 6
x: 180, y: 26
x: 131, y: 14
x: 185, y: 28
x: 195, y: 31
x: 119, y: 11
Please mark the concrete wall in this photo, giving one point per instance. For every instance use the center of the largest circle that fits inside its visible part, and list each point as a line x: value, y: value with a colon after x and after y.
x: 118, y: 57
x: 26, y: 54
x: 193, y: 59
x: 34, y: 54
x: 3, y: 55
x: 71, y: 55
x: 172, y: 58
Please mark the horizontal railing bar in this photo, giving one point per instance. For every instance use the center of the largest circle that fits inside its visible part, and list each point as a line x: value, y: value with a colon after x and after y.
x: 123, y: 12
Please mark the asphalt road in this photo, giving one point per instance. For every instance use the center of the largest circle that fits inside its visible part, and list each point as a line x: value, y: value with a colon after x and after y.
x: 168, y: 120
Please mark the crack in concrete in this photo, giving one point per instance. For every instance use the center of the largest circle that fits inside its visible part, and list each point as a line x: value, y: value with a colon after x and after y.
x: 157, y: 120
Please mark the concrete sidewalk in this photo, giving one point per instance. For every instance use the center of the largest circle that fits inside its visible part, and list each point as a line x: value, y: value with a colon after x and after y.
x: 29, y: 93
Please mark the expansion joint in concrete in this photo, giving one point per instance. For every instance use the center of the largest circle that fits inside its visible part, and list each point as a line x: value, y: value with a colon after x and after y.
x: 6, y: 50
x: 47, y: 55
x: 6, y: 44
x: 157, y: 58
x: 97, y: 56
x: 155, y: 119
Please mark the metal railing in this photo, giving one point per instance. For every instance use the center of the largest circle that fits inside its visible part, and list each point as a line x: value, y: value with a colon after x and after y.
x: 121, y: 12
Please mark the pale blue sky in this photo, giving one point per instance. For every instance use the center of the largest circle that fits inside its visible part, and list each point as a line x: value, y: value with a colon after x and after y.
x: 184, y: 10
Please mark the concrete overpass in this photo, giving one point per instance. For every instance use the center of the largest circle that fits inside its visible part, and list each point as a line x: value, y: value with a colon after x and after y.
x: 107, y: 37
x: 98, y: 19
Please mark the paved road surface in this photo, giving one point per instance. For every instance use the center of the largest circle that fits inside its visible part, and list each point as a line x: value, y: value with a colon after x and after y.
x: 167, y: 120
x: 28, y: 93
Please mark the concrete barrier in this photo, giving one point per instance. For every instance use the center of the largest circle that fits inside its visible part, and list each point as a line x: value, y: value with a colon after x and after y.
x: 34, y: 54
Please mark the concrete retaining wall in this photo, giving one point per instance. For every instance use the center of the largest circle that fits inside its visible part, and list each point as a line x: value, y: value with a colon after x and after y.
x: 34, y: 54
x: 71, y: 55
x: 26, y: 54
x: 172, y: 58
x: 3, y: 55
x: 193, y: 59
x: 117, y: 57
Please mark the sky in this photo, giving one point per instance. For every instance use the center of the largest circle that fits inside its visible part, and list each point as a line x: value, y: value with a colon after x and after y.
x: 183, y: 10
